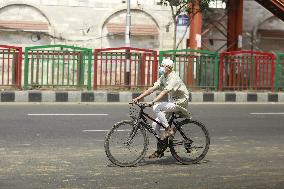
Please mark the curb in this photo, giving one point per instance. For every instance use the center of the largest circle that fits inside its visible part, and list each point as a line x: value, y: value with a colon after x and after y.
x: 107, y: 96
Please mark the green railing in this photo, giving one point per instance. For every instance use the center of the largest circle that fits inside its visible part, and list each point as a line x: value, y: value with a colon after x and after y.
x: 279, y: 72
x: 57, y: 66
x: 199, y: 69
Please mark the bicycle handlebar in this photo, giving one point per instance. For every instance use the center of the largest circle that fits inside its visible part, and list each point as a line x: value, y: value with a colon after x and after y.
x: 141, y: 104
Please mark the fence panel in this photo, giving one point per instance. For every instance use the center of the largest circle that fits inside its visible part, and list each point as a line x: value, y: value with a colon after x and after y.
x: 57, y: 66
x: 124, y: 67
x: 243, y: 70
x: 10, y: 66
x: 279, y: 73
x: 198, y: 69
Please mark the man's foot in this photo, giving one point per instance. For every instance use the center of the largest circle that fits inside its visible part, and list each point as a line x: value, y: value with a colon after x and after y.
x: 156, y: 154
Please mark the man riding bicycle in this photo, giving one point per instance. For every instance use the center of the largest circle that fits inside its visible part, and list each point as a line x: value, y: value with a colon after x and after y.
x: 170, y: 83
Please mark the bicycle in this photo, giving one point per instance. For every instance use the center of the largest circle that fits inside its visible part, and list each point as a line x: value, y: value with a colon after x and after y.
x: 126, y: 144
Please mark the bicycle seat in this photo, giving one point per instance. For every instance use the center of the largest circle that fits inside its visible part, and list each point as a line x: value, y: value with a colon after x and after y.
x: 182, y: 113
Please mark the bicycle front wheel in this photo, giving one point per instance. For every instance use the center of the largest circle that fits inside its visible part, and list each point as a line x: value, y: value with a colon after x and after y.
x: 126, y: 143
x: 190, y: 143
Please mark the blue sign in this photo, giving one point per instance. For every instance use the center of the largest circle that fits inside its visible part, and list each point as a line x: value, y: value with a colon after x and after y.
x: 182, y: 20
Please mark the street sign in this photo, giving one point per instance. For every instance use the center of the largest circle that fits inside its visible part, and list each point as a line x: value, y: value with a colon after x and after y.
x: 182, y: 25
x: 182, y: 20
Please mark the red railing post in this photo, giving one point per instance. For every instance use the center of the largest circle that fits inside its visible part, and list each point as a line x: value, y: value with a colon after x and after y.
x: 221, y: 71
x: 256, y: 59
x: 272, y: 71
x: 3, y: 63
x: 155, y: 68
x: 142, y: 70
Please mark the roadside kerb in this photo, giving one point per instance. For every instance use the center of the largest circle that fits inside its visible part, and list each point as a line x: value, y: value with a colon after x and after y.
x: 126, y: 96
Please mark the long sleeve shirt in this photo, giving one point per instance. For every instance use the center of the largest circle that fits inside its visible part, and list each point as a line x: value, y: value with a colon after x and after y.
x: 178, y: 92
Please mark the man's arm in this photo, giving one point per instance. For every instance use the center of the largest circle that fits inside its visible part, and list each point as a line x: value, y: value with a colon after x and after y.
x: 145, y: 93
x: 160, y: 96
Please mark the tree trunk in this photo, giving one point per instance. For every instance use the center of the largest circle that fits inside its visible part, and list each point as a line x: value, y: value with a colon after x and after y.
x: 174, y: 15
x: 175, y: 36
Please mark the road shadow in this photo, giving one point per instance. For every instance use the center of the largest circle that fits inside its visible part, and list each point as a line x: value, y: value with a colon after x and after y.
x: 168, y: 160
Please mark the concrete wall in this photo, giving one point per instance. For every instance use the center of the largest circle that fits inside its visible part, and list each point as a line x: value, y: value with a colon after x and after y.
x: 256, y: 17
x: 82, y: 23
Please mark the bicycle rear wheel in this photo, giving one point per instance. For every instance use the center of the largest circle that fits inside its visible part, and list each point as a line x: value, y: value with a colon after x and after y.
x: 124, y: 146
x: 190, y: 143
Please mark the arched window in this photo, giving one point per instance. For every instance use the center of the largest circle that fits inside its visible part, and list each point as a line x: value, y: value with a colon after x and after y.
x: 22, y: 24
x: 144, y: 30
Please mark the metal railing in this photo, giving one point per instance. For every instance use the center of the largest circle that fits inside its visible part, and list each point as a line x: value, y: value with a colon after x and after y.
x: 10, y: 66
x: 69, y: 67
x: 197, y: 68
x: 124, y: 67
x: 57, y: 66
x: 244, y: 70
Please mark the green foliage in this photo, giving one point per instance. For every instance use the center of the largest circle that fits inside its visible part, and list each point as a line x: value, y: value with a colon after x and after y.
x: 182, y: 5
x: 190, y: 7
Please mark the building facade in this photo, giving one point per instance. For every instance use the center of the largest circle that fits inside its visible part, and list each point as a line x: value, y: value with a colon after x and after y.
x: 100, y: 24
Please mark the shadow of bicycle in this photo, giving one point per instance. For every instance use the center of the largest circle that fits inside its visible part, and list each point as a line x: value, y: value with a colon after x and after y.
x: 168, y: 160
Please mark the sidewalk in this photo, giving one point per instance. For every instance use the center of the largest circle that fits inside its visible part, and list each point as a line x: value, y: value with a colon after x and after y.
x: 108, y: 96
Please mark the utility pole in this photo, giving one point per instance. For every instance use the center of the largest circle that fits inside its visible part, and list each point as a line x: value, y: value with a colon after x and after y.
x: 127, y: 44
x: 127, y: 26
x: 235, y: 25
x: 194, y: 37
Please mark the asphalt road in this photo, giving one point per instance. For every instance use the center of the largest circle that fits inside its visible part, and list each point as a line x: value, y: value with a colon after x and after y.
x: 43, y: 146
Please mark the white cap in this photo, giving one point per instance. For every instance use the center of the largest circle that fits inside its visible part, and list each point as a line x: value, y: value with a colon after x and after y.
x: 168, y: 62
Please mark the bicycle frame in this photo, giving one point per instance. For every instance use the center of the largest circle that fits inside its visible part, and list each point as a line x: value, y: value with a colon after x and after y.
x: 142, y: 120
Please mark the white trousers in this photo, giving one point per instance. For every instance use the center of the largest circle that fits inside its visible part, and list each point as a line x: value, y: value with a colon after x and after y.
x: 160, y: 110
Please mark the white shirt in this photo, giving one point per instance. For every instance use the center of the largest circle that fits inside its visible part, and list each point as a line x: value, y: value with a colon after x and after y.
x: 177, y: 90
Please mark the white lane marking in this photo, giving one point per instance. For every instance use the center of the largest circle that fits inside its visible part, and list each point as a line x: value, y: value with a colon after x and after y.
x: 24, y: 144
x: 268, y: 113
x: 99, y: 140
x: 98, y: 130
x: 67, y: 114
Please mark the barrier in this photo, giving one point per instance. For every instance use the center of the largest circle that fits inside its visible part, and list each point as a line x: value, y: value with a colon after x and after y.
x: 197, y: 68
x: 124, y: 67
x: 10, y: 66
x: 57, y: 66
x: 61, y: 66
x: 243, y: 70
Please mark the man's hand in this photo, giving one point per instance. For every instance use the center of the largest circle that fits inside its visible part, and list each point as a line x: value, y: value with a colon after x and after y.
x: 149, y: 104
x: 135, y: 100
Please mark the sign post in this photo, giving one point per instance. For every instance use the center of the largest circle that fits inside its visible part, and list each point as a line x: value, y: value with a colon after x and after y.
x: 127, y: 45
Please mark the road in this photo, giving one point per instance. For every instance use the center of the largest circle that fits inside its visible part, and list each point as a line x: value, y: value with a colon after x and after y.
x: 61, y: 146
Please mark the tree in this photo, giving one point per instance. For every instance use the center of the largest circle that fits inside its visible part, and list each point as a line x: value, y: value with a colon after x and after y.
x: 184, y: 6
